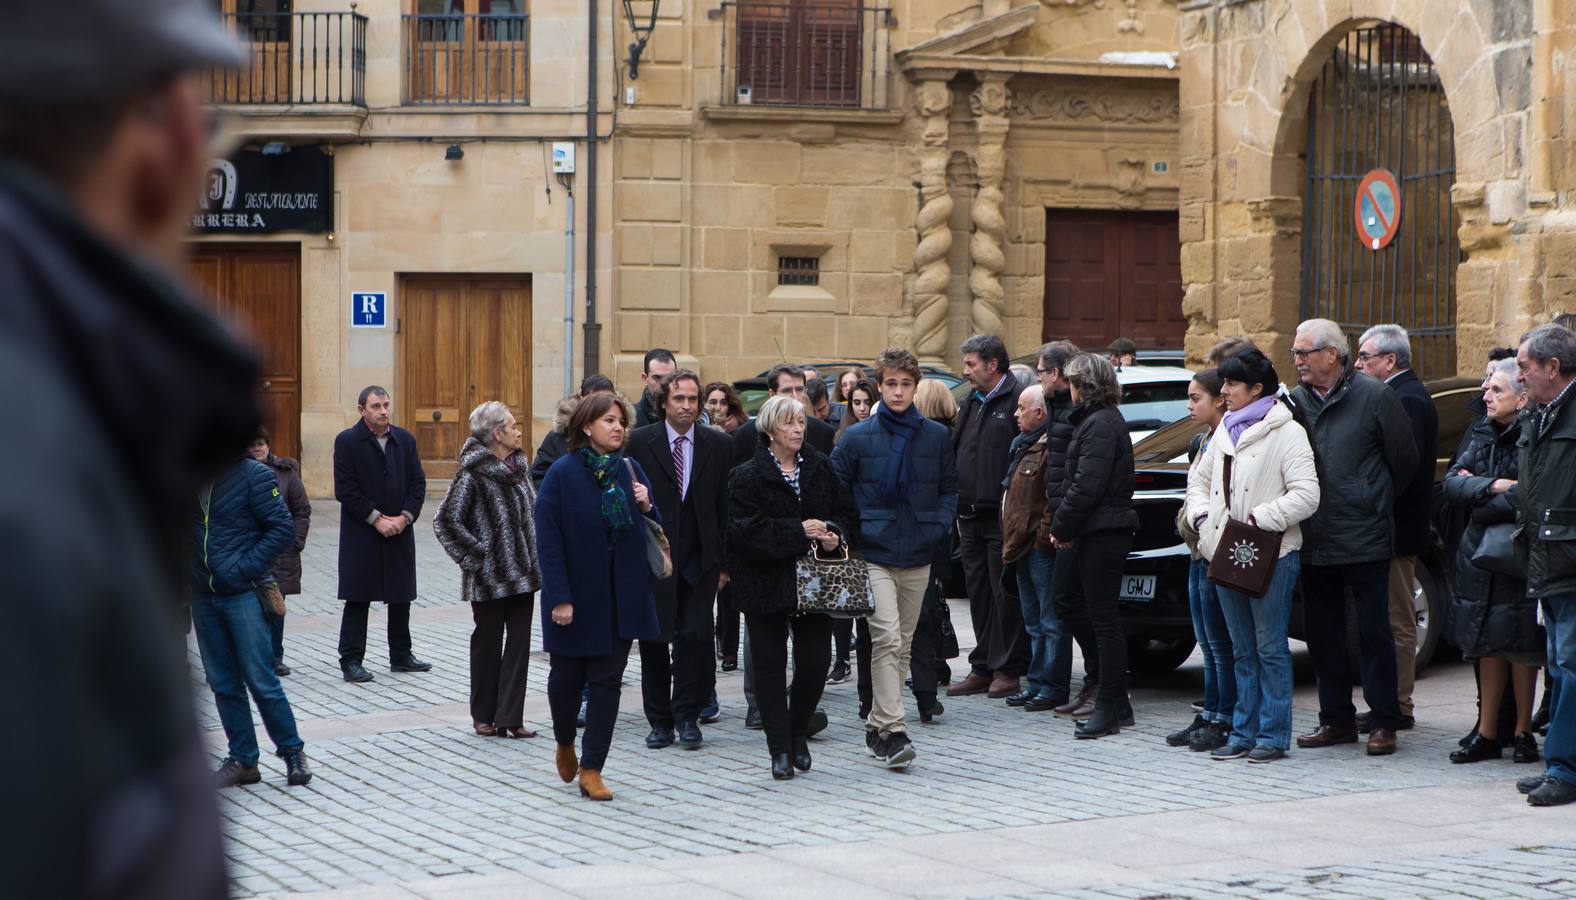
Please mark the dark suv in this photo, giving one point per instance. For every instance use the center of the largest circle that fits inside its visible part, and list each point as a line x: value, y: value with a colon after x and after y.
x: 1154, y: 582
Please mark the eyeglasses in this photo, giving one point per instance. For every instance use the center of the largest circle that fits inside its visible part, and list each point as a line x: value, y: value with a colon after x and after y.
x: 1364, y: 356
x: 1304, y: 354
x: 1044, y: 371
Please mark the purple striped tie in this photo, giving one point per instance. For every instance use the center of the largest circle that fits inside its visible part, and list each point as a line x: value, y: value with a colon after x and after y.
x: 678, y: 463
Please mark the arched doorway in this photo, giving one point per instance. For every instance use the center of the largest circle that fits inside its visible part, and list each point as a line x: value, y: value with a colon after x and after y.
x: 1382, y: 247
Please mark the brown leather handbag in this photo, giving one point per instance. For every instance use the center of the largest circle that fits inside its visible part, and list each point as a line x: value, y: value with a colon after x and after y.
x: 1245, y: 558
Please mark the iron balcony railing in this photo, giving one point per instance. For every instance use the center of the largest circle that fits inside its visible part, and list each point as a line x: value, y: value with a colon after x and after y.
x: 467, y: 59
x: 296, y: 58
x: 820, y: 54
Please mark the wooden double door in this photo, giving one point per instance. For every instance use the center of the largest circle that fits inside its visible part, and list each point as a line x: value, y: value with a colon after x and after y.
x: 1111, y: 274
x: 462, y: 341
x: 256, y: 288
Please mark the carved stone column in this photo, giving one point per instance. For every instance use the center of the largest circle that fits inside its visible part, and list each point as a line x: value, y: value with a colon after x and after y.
x: 987, y: 248
x: 933, y: 102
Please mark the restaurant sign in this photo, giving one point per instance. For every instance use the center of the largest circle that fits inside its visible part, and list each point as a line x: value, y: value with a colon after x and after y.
x: 255, y: 193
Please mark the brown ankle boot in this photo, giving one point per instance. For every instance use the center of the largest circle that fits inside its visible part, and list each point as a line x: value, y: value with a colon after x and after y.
x: 591, y: 785
x: 568, y: 764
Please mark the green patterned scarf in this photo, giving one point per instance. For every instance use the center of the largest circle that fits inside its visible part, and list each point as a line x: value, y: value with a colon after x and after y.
x: 615, y: 506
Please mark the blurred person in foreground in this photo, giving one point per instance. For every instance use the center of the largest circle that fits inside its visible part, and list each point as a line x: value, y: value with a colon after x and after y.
x: 103, y: 140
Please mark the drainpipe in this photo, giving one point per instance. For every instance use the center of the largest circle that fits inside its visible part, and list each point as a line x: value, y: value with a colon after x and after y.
x: 569, y: 298
x: 593, y: 329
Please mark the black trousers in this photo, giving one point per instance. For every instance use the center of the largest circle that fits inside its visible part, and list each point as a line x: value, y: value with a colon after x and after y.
x: 785, y: 709
x: 842, y: 638
x: 353, y: 633
x: 676, y: 684
x: 1324, y: 612
x: 1001, y: 644
x: 728, y: 623
x: 1084, y: 587
x: 602, y: 677
x: 498, y: 667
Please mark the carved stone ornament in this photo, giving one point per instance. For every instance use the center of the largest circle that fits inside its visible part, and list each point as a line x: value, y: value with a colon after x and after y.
x: 932, y: 272
x: 1087, y: 106
x: 991, y: 98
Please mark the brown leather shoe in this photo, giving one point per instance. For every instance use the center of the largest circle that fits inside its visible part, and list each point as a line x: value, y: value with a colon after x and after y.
x: 516, y: 731
x: 974, y: 684
x: 1381, y: 742
x: 1003, y: 686
x: 1081, y: 706
x: 485, y: 729
x: 568, y: 762
x: 591, y: 786
x: 1329, y: 736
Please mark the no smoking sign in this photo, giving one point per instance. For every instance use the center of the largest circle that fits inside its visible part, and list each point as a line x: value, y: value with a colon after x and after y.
x: 1378, y: 209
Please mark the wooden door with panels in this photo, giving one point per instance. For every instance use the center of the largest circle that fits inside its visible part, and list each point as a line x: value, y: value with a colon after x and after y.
x: 265, y: 28
x: 463, y: 340
x: 1111, y: 274
x: 256, y: 288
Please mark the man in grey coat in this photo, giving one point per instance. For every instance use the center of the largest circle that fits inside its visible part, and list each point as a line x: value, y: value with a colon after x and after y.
x: 1362, y: 442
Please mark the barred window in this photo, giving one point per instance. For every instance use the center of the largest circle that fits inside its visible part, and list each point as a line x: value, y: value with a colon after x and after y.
x: 799, y: 270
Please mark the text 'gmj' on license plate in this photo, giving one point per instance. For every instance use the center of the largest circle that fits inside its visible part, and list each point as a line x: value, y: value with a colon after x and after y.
x: 1137, y: 587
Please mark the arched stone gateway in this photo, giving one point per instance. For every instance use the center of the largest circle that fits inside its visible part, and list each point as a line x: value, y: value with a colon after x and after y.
x: 1250, y: 74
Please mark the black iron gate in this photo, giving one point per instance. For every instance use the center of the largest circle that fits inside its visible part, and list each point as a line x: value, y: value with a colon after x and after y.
x: 1378, y: 104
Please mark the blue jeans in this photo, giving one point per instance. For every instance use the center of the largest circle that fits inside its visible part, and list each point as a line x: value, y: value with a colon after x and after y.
x: 1258, y: 628
x: 1559, y: 749
x: 1214, y: 638
x: 236, y: 646
x: 1050, y: 645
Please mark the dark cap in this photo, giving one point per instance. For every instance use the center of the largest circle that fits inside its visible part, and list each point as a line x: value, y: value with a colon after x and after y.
x: 55, y: 53
x: 1122, y: 346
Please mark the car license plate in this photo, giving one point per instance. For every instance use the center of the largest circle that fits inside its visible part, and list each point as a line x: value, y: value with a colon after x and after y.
x: 1137, y: 587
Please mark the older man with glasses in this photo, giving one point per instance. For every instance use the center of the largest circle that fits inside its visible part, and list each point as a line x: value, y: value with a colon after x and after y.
x: 1364, y: 448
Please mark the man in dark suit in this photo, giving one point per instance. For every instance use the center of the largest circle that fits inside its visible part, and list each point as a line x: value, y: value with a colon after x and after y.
x: 1385, y: 353
x: 790, y: 380
x: 658, y: 364
x: 380, y: 486
x: 688, y: 466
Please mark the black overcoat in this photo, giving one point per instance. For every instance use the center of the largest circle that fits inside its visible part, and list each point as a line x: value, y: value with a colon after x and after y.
x: 1414, y: 499
x: 373, y: 568
x: 766, y: 530
x: 708, y: 493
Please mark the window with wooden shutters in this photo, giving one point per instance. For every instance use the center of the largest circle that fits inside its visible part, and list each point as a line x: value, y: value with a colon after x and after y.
x: 829, y: 53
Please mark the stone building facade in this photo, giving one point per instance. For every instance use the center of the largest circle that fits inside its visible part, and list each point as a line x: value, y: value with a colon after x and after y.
x: 439, y: 117
x: 1247, y: 70
x: 920, y: 193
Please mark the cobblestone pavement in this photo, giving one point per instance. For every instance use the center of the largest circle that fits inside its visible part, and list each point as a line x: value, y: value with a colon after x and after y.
x: 407, y: 802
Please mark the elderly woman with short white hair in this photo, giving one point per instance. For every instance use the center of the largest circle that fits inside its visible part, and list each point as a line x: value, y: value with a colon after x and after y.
x: 487, y: 524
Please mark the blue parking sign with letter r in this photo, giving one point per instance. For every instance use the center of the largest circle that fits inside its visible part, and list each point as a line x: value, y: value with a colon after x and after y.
x: 369, y: 309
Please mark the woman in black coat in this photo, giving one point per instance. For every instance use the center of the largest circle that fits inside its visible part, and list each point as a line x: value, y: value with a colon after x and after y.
x: 779, y: 503
x: 1491, y: 618
x: 1092, y: 531
x: 287, y: 571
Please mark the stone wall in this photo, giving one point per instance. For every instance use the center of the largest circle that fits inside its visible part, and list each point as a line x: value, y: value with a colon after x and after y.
x: 1246, y: 70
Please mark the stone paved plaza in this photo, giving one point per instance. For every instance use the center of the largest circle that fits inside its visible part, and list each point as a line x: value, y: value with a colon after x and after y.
x: 407, y: 802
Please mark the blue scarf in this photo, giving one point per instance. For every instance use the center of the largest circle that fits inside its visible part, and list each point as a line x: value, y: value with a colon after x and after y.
x: 615, y: 507
x: 899, y: 468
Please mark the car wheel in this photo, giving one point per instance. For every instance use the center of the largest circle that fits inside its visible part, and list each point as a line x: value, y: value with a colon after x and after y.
x: 1155, y: 656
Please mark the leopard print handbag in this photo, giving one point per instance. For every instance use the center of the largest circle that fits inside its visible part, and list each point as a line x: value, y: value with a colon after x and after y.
x: 837, y: 587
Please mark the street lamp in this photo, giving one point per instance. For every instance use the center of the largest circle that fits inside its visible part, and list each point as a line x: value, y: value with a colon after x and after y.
x: 641, y: 31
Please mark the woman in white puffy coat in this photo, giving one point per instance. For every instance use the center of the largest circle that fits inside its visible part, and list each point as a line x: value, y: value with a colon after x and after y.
x: 1274, y: 486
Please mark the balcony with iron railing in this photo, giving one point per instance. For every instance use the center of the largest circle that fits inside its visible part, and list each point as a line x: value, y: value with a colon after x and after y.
x: 467, y: 59
x: 826, y: 54
x: 295, y: 58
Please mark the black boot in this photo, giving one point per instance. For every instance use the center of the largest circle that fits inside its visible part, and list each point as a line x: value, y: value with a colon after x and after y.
x: 801, y: 754
x: 1480, y: 749
x: 1106, y: 720
x: 782, y: 766
x: 1526, y: 749
x: 929, y: 706
x: 296, y: 769
x: 1181, y: 738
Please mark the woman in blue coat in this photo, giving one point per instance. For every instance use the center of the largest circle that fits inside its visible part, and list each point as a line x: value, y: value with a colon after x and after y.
x: 596, y: 588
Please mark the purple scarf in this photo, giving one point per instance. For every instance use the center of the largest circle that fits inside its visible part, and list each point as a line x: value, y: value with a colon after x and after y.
x: 1248, y: 416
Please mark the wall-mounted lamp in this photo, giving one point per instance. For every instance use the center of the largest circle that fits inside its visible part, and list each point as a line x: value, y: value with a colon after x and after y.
x: 454, y: 153
x: 276, y: 148
x: 641, y: 31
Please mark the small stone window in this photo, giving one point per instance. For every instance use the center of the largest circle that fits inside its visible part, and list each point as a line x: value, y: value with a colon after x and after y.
x: 799, y: 270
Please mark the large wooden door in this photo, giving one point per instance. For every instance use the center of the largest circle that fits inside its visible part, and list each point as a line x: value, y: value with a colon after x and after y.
x: 257, y: 289
x: 462, y: 341
x: 1111, y: 274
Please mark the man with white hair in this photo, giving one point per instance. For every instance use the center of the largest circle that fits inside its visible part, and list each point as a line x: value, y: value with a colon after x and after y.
x: 1385, y: 354
x: 1025, y: 547
x: 1364, y: 451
